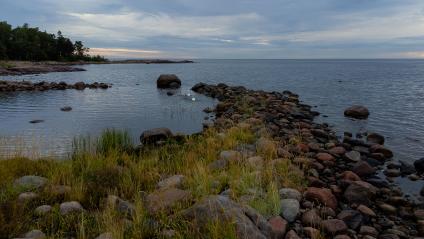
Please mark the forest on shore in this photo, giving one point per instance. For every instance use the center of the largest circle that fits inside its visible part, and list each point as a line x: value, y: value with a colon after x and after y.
x: 25, y: 43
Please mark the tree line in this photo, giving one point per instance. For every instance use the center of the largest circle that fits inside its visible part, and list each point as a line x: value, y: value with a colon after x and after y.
x: 27, y: 43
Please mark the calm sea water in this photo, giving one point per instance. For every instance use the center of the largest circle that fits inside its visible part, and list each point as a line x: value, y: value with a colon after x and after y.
x: 393, y: 90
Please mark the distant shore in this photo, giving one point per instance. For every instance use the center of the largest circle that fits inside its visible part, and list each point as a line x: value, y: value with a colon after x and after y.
x: 29, y: 67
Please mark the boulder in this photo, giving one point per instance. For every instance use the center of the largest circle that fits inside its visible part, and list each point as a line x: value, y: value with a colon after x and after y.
x: 357, y: 112
x: 155, y: 136
x: 35, y: 234
x: 352, y: 218
x: 406, y: 168
x: 360, y: 192
x: 165, y: 199
x: 379, y: 149
x: 169, y: 81
x: 322, y: 195
x: 375, y: 138
x: 353, y: 156
x: 363, y: 169
x: 419, y: 165
x: 70, y: 207
x: 334, y: 226
x: 292, y: 235
x: 42, y: 210
x: 30, y: 181
x: 290, y: 193
x: 311, y: 218
x: 289, y: 209
x: 171, y: 182
x: 278, y: 227
x: 248, y: 223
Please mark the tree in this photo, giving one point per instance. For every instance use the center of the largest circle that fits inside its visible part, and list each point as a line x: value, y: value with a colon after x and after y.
x: 80, y: 50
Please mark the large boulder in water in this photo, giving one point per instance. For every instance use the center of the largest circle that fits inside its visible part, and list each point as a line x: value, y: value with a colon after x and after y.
x: 357, y: 112
x: 170, y: 81
x: 419, y: 165
x: 155, y: 136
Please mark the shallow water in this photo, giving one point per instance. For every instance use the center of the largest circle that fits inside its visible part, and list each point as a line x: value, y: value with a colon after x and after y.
x: 393, y: 90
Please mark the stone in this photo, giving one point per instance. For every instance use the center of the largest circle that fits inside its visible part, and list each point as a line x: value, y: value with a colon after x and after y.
x: 80, y: 86
x: 248, y: 223
x: 406, y: 168
x: 278, y: 226
x: 292, y: 235
x: 324, y: 157
x: 311, y: 218
x: 60, y: 190
x: 312, y: 232
x: 35, y: 234
x: 392, y: 172
x: 350, y: 176
x: 43, y: 210
x: 334, y: 226
x: 375, y: 138
x: 219, y: 164
x: 264, y: 145
x: 106, y: 235
x: 290, y: 209
x: 344, y: 237
x: 165, y: 199
x: 337, y: 150
x: 352, y: 218
x: 322, y: 195
x: 255, y: 162
x: 230, y: 155
x: 155, y: 136
x: 419, y: 214
x: 387, y: 208
x: 366, y: 211
x: 419, y: 166
x: 290, y: 193
x: 420, y: 227
x: 172, y: 182
x: 66, y: 109
x: 363, y: 169
x: 360, y: 192
x: 357, y: 112
x: 353, y: 156
x: 125, y: 208
x: 168, y: 81
x: 31, y: 182
x: 70, y: 207
x: 27, y: 197
x: 380, y: 149
x: 368, y: 231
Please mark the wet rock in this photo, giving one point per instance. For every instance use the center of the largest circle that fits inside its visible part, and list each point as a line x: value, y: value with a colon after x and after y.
x: 375, y: 138
x: 360, y: 192
x: 357, y: 112
x: 36, y: 121
x: 353, y: 156
x: 322, y: 195
x: 165, y: 199
x: 352, y: 218
x: 392, y: 172
x: 172, y: 182
x: 278, y: 227
x: 290, y: 209
x: 168, y: 81
x: 80, y: 86
x: 363, y: 169
x: 70, y: 207
x: 419, y: 166
x: 406, y: 168
x: 31, y: 182
x: 334, y: 226
x: 376, y: 148
x: 66, y: 108
x: 42, y: 210
x: 155, y: 136
x: 290, y: 193
x: 248, y: 223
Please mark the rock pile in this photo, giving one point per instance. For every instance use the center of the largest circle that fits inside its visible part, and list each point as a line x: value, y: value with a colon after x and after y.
x: 11, y: 86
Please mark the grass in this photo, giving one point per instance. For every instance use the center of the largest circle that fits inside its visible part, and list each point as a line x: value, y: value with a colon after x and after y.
x: 110, y: 165
x: 6, y: 64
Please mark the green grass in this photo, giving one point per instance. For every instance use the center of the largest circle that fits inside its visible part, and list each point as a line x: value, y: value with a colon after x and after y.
x: 110, y: 165
x: 5, y: 64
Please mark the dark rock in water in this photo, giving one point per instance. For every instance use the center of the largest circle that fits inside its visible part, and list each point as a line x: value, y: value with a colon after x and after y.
x: 155, y: 136
x: 36, y: 121
x: 80, y: 86
x: 375, y: 138
x: 376, y: 148
x: 378, y: 182
x: 66, y: 108
x: 169, y: 93
x: 422, y: 192
x: 168, y: 81
x: 357, y: 112
x: 392, y: 172
x: 406, y: 168
x: 363, y: 169
x: 419, y: 165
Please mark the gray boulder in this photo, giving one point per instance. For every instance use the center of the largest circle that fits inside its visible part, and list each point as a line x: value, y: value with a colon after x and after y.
x: 248, y: 223
x: 290, y: 208
x: 30, y: 181
x: 70, y: 207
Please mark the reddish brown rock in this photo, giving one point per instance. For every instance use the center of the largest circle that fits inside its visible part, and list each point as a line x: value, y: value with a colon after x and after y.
x: 324, y: 157
x: 278, y: 226
x: 322, y: 195
x: 376, y: 148
x: 363, y: 169
x: 334, y: 226
x: 292, y: 235
x: 337, y: 150
x: 350, y: 176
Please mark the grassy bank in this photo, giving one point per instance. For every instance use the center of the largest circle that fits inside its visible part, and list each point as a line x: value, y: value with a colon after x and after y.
x: 110, y: 165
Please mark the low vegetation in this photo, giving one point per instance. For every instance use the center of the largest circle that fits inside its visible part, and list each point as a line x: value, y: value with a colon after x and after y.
x: 110, y: 165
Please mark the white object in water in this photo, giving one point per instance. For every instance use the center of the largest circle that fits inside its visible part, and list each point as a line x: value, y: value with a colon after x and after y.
x: 193, y: 99
x: 188, y: 94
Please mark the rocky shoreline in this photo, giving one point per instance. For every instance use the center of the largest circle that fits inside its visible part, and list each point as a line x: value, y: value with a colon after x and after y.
x: 12, y: 86
x: 344, y: 196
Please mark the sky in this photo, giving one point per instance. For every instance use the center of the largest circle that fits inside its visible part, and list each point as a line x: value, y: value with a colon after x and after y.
x: 231, y: 29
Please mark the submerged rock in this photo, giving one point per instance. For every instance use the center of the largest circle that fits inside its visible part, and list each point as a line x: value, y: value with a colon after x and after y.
x: 155, y: 136
x: 357, y: 112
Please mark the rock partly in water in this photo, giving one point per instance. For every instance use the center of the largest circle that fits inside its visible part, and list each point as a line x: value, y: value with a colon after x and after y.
x: 357, y: 112
x: 155, y: 136
x: 168, y: 81
x: 66, y: 109
x: 375, y: 138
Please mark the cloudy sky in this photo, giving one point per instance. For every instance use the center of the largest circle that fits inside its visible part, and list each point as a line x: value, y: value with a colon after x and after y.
x: 232, y: 28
